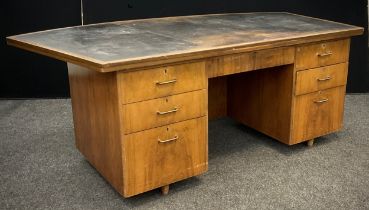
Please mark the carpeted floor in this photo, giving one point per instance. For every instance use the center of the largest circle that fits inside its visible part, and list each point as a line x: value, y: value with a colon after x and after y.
x: 40, y: 167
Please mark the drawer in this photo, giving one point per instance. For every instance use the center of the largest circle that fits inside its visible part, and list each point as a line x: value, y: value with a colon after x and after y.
x: 229, y: 64
x: 318, y: 113
x: 163, y: 155
x: 155, y: 83
x: 312, y: 80
x: 274, y: 57
x: 322, y: 54
x: 163, y: 111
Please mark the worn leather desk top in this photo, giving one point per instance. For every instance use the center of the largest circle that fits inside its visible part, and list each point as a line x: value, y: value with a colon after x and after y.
x: 138, y: 43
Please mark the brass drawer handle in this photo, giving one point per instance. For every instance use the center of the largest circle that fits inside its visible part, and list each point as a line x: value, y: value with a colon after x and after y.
x: 167, y: 82
x: 325, y: 54
x: 324, y: 79
x: 167, y: 112
x: 321, y: 101
x: 168, y: 140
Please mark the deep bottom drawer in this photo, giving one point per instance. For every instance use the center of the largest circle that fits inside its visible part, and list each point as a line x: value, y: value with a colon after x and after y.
x: 163, y: 155
x: 318, y: 113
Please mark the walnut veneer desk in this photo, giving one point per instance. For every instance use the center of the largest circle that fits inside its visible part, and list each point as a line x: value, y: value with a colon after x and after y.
x: 143, y: 90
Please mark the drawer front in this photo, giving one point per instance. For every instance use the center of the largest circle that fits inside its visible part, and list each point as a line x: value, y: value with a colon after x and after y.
x: 154, y: 83
x: 318, y: 113
x: 274, y: 57
x: 312, y: 80
x: 163, y: 155
x: 229, y: 64
x: 322, y: 54
x: 163, y: 111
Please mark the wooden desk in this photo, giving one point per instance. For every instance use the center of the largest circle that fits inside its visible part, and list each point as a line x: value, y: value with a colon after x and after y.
x: 143, y: 90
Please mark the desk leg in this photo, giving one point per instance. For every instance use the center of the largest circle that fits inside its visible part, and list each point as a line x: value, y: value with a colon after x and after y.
x: 310, y: 142
x: 165, y: 190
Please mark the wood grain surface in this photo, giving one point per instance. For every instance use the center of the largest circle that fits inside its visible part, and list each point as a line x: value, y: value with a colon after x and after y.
x: 322, y: 54
x: 96, y: 120
x: 274, y: 57
x: 262, y: 100
x: 164, y: 155
x: 229, y: 64
x: 217, y: 97
x: 312, y: 80
x: 317, y: 114
x: 145, y: 115
x: 158, y: 82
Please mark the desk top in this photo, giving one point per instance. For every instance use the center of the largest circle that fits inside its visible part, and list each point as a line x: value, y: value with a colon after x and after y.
x: 138, y: 43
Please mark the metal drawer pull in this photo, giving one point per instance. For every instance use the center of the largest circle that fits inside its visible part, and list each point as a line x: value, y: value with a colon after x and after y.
x: 325, y: 54
x: 321, y: 101
x: 168, y: 140
x: 167, y: 82
x: 324, y: 79
x: 167, y: 112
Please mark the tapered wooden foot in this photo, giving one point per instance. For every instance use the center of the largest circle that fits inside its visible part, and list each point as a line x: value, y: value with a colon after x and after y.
x: 165, y: 190
x: 310, y: 142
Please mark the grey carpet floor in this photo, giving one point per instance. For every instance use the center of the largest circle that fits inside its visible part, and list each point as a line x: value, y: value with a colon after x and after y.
x: 40, y: 167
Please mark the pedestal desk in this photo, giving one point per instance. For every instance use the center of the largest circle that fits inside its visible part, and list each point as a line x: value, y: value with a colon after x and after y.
x: 143, y: 90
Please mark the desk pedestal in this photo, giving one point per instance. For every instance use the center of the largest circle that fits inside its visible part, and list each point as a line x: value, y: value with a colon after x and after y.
x: 147, y: 128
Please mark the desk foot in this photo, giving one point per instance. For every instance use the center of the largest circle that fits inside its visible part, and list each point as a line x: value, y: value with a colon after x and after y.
x: 165, y: 190
x: 310, y: 142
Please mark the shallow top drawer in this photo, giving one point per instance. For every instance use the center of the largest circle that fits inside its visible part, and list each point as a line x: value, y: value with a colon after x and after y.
x: 154, y: 83
x: 312, y: 80
x: 322, y: 54
x: 274, y: 57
